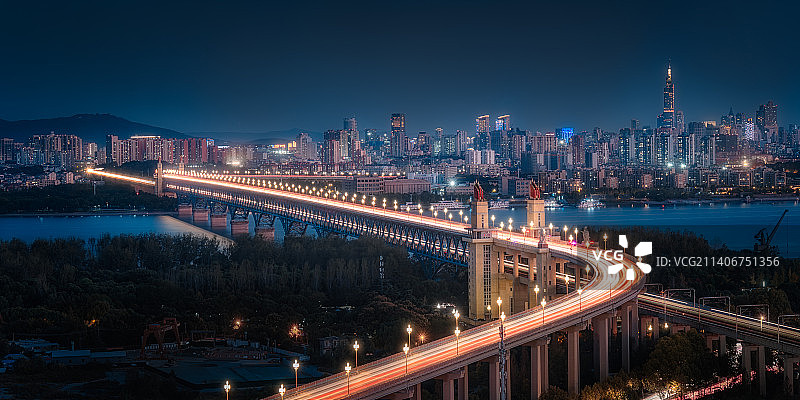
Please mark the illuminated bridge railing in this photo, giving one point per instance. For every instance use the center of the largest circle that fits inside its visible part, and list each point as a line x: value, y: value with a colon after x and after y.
x: 751, y: 330
x: 439, y: 240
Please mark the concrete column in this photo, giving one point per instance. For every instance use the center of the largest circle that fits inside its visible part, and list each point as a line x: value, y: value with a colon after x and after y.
x: 762, y: 372
x: 417, y: 392
x: 515, y: 263
x: 788, y: 374
x: 494, y: 378
x: 266, y: 232
x: 723, y: 346
x: 635, y: 323
x: 747, y: 363
x: 448, y: 391
x: 626, y: 338
x: 573, y: 360
x: 600, y: 337
x: 463, y: 385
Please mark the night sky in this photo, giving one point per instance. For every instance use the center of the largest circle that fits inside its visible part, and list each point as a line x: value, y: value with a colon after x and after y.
x: 256, y: 66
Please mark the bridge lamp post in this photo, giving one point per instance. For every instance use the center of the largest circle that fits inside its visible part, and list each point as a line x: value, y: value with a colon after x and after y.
x: 355, y: 350
x: 502, y: 357
x: 580, y: 298
x: 457, y: 331
x: 762, y: 323
x: 536, y: 290
x: 510, y: 221
x: 492, y: 220
x: 451, y: 218
x: 405, y: 350
x: 461, y: 214
x: 408, y: 330
x: 347, y: 372
x: 281, y: 390
x: 566, y: 282
x: 227, y: 388
x: 544, y: 303
x: 551, y: 228
x: 296, y: 366
x: 565, y: 232
x: 605, y: 238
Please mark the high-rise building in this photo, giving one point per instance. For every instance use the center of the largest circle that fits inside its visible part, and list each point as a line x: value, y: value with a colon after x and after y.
x: 398, y: 135
x: 767, y: 116
x: 462, y: 143
x: 667, y: 118
x: 503, y: 123
x: 6, y: 150
x: 350, y: 124
x: 482, y: 124
x: 635, y: 124
x: 306, y: 149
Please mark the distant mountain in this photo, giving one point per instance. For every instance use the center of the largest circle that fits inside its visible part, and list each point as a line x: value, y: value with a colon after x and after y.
x: 89, y: 127
x: 270, y: 137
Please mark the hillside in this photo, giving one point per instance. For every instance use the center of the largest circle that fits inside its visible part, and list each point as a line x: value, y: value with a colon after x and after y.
x: 90, y: 127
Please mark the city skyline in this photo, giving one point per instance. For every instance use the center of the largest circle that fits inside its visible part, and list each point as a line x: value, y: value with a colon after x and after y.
x: 284, y: 75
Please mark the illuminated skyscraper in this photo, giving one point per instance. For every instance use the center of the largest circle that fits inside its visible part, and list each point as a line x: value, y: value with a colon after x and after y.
x: 398, y: 135
x: 482, y: 124
x: 767, y: 115
x: 503, y: 123
x: 350, y: 124
x: 667, y: 118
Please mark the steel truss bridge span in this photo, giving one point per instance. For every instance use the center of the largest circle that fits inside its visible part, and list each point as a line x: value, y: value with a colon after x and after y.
x: 426, y: 236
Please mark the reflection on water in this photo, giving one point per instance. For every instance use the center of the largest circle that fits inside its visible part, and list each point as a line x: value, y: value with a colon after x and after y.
x: 731, y: 224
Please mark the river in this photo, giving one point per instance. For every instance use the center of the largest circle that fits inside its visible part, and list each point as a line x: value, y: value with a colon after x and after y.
x: 731, y: 224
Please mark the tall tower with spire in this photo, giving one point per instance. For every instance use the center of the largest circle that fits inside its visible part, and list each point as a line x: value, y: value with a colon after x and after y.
x: 667, y: 118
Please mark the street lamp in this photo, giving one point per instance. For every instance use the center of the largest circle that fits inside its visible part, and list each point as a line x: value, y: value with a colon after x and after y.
x: 405, y: 350
x: 492, y: 220
x: 409, y: 334
x: 536, y: 290
x: 605, y: 238
x: 565, y: 232
x: 544, y: 302
x: 457, y: 331
x: 296, y: 366
x: 502, y: 357
x: 347, y: 372
x: 566, y: 282
x: 227, y: 388
x: 281, y: 390
x: 355, y: 348
x: 762, y: 323
x: 580, y: 292
x: 499, y: 304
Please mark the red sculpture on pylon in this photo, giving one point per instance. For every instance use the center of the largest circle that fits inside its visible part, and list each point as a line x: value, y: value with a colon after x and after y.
x: 535, y: 193
x: 478, y: 192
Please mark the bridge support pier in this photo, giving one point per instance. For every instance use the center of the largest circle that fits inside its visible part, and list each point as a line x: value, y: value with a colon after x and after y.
x: 600, y: 329
x: 184, y: 210
x: 573, y: 360
x: 451, y: 380
x: 748, y: 366
x: 649, y: 326
x: 720, y: 339
x: 200, y: 214
x: 240, y: 227
x: 219, y: 220
x: 494, y: 377
x: 627, y: 331
x: 539, y: 368
x: 788, y: 374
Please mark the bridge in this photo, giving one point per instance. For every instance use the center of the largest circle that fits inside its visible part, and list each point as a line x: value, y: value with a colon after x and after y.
x: 522, y: 268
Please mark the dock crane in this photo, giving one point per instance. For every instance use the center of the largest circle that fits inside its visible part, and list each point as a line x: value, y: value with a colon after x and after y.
x: 763, y: 240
